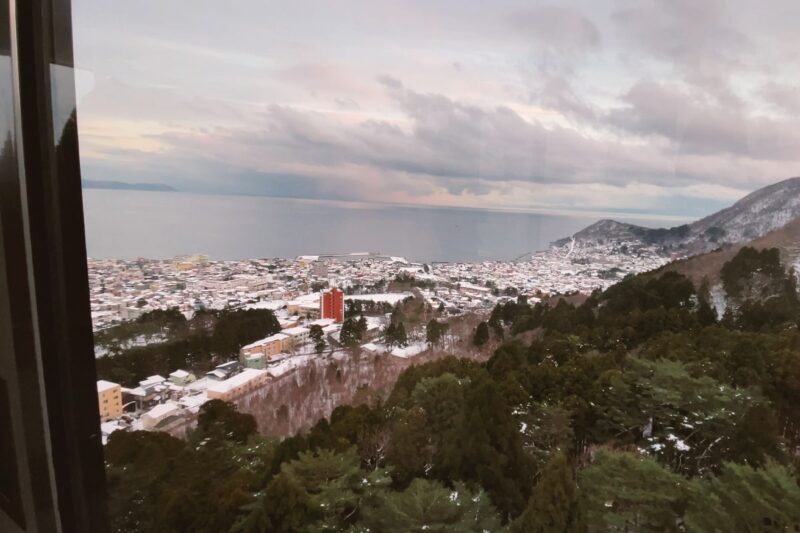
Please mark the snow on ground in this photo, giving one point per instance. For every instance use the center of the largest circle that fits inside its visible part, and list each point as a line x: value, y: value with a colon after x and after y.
x: 273, y: 305
x: 411, y: 350
x: 287, y: 364
x: 391, y: 298
x: 719, y: 300
x: 374, y: 348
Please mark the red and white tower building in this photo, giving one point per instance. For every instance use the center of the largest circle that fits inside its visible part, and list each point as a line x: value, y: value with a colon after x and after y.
x: 331, y: 305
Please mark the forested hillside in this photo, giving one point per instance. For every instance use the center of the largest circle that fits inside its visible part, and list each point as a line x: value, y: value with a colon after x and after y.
x: 639, y: 410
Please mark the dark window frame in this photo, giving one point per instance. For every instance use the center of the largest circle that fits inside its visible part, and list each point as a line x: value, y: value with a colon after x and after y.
x: 46, y: 345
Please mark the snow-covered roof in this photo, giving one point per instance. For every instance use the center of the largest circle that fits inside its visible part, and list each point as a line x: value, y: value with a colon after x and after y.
x: 180, y: 374
x: 299, y: 330
x: 266, y: 340
x: 372, y: 347
x: 287, y: 364
x: 409, y: 351
x: 107, y: 428
x: 152, y: 380
x: 322, y: 322
x: 236, y: 381
x: 163, y: 409
x: 103, y: 385
x: 390, y: 297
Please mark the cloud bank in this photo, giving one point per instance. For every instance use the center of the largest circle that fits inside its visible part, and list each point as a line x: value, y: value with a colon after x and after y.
x: 673, y: 107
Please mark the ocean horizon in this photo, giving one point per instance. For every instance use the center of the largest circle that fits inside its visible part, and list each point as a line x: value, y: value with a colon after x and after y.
x: 128, y: 224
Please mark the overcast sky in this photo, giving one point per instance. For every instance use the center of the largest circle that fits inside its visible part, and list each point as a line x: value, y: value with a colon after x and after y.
x: 671, y: 107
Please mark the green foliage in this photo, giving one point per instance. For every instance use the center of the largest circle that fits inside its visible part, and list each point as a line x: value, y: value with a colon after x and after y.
x: 221, y: 420
x: 743, y: 498
x: 396, y: 334
x: 740, y: 272
x: 335, y: 484
x: 159, y: 483
x: 351, y: 333
x: 284, y: 508
x: 553, y: 506
x: 624, y: 492
x: 429, y: 506
x: 690, y: 422
x: 192, y: 345
x: 237, y: 328
x: 704, y: 409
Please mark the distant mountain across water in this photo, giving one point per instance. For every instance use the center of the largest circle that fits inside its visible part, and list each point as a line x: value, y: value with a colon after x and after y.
x: 755, y: 215
x: 123, y: 186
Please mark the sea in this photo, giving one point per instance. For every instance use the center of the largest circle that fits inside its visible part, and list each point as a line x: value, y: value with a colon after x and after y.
x: 126, y: 224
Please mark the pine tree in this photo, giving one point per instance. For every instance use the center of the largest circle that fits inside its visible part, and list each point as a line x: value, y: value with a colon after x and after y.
x: 481, y: 335
x: 389, y: 334
x: 285, y: 506
x: 743, y: 498
x: 401, y: 339
x: 318, y: 336
x: 630, y: 492
x: 553, y: 506
x: 429, y: 506
x: 434, y: 332
x: 350, y: 335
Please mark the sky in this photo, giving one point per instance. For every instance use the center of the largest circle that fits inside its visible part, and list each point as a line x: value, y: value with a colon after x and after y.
x: 676, y: 108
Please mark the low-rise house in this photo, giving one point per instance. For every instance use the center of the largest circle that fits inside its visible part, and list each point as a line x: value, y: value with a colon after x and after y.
x: 159, y: 413
x: 181, y: 377
x: 243, y: 382
x: 269, y: 346
x: 298, y: 335
x: 224, y: 371
x: 256, y: 360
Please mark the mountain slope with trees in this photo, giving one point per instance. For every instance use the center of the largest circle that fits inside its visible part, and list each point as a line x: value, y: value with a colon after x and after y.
x: 637, y: 410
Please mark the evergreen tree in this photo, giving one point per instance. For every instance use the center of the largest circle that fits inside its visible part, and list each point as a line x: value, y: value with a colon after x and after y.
x: 361, y: 327
x: 286, y: 506
x: 481, y: 335
x: 336, y: 486
x: 318, y: 337
x: 397, y: 315
x: 553, y: 507
x: 349, y: 334
x: 743, y: 498
x: 400, y: 337
x: 396, y: 335
x: 429, y: 506
x: 434, y: 332
x: 389, y: 334
x: 221, y: 420
x: 487, y: 448
x: 627, y: 492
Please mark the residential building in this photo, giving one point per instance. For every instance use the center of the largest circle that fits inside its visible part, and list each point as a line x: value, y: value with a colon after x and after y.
x: 181, y: 377
x: 268, y: 347
x: 109, y: 396
x: 159, y: 413
x: 243, y: 382
x: 298, y: 336
x: 331, y: 305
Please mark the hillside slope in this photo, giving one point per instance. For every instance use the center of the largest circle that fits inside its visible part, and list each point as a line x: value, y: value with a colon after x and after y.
x: 755, y: 215
x: 708, y: 265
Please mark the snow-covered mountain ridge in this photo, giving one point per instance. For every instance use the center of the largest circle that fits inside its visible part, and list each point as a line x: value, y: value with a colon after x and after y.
x: 753, y: 216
